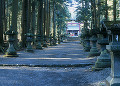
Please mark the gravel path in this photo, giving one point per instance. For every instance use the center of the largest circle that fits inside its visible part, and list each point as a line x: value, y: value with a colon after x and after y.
x: 44, y: 76
x: 63, y: 54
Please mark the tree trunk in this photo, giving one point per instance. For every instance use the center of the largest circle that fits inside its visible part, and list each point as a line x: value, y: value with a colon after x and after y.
x: 92, y: 14
x: 40, y: 18
x: 54, y: 28
x: 114, y: 10
x: 44, y: 31
x: 49, y: 17
x: 4, y: 19
x: 98, y: 13
x: 24, y: 21
x: 29, y: 30
x: 95, y: 17
x: 86, y: 13
x: 33, y: 22
x: 1, y: 23
x: 106, y: 13
x: 14, y: 20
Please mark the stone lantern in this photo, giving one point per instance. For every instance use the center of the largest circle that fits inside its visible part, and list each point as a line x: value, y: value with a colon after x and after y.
x: 59, y: 39
x: 94, y: 51
x: 103, y: 61
x: 11, y: 52
x: 87, y: 40
x: 44, y: 42
x: 54, y: 41
x: 29, y: 41
x: 50, y: 40
x: 114, y: 49
x: 38, y: 45
x: 82, y: 37
x: 64, y: 38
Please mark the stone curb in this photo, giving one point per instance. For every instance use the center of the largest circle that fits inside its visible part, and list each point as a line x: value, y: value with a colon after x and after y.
x: 44, y: 65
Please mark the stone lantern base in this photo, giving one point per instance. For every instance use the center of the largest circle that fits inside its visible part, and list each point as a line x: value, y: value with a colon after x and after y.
x: 54, y: 42
x: 111, y: 81
x: 94, y: 52
x: 103, y: 61
x: 114, y: 78
x: 38, y: 43
x: 45, y: 45
x: 1, y: 49
x: 11, y: 52
x: 45, y: 42
x: 38, y: 46
x: 10, y: 55
x: 29, y: 50
x: 29, y: 41
x: 14, y: 55
x: 87, y: 46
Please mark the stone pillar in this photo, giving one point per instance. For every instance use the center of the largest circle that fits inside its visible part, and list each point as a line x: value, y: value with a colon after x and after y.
x: 114, y: 48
